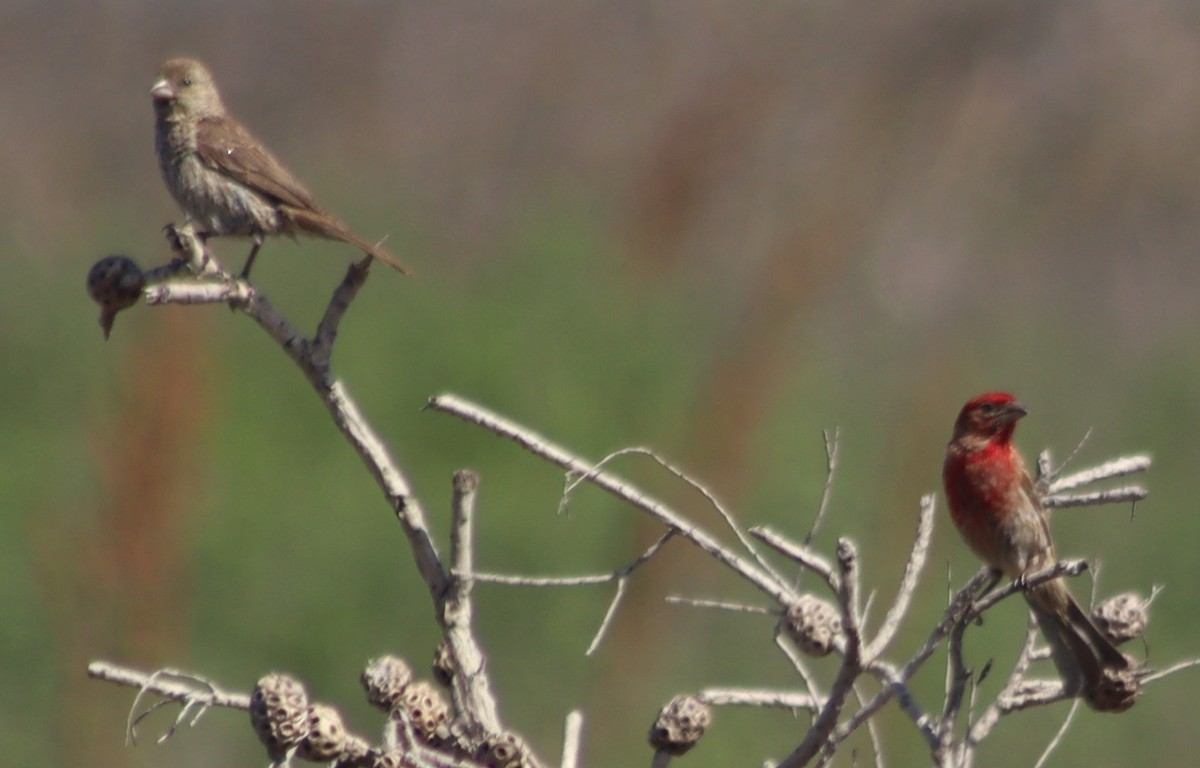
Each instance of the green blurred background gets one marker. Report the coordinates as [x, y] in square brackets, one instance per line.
[710, 228]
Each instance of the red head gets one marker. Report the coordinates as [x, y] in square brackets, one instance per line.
[989, 416]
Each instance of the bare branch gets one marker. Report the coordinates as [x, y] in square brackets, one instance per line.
[959, 676]
[908, 583]
[191, 292]
[1062, 731]
[802, 555]
[170, 684]
[574, 480]
[462, 535]
[957, 679]
[740, 697]
[509, 580]
[1126, 465]
[895, 680]
[1125, 493]
[872, 733]
[720, 605]
[801, 666]
[1031, 693]
[322, 343]
[891, 678]
[357, 431]
[980, 729]
[1047, 471]
[190, 691]
[540, 446]
[470, 684]
[818, 737]
[609, 615]
[832, 444]
[572, 739]
[1167, 671]
[1061, 568]
[620, 575]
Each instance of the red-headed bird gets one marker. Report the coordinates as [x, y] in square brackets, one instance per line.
[996, 509]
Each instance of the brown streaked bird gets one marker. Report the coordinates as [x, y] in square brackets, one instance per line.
[224, 179]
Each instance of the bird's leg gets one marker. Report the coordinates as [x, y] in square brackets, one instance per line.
[993, 580]
[182, 253]
[258, 241]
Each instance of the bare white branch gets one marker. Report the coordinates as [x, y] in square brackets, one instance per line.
[1126, 465]
[1172, 669]
[574, 480]
[609, 615]
[1031, 693]
[801, 554]
[801, 666]
[720, 605]
[627, 492]
[1125, 493]
[191, 292]
[982, 727]
[470, 685]
[908, 582]
[1062, 731]
[832, 445]
[872, 733]
[509, 580]
[818, 738]
[170, 684]
[191, 692]
[743, 697]
[342, 408]
[572, 739]
[620, 576]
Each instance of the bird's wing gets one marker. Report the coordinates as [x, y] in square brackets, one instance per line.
[1030, 490]
[225, 146]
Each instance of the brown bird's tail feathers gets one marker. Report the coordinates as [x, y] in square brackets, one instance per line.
[1088, 662]
[322, 224]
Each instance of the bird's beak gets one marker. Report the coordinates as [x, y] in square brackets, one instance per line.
[162, 91]
[1015, 410]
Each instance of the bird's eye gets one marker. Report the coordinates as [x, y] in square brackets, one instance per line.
[187, 81]
[988, 408]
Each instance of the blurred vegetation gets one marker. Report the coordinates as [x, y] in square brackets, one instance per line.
[714, 229]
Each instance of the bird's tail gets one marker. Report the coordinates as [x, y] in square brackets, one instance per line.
[321, 224]
[1089, 664]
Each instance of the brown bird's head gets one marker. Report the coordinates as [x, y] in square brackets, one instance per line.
[185, 87]
[989, 416]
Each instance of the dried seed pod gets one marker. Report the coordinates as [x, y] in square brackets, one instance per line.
[1122, 617]
[1116, 691]
[813, 625]
[680, 725]
[356, 751]
[279, 713]
[384, 680]
[505, 750]
[326, 737]
[115, 283]
[423, 707]
[394, 758]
